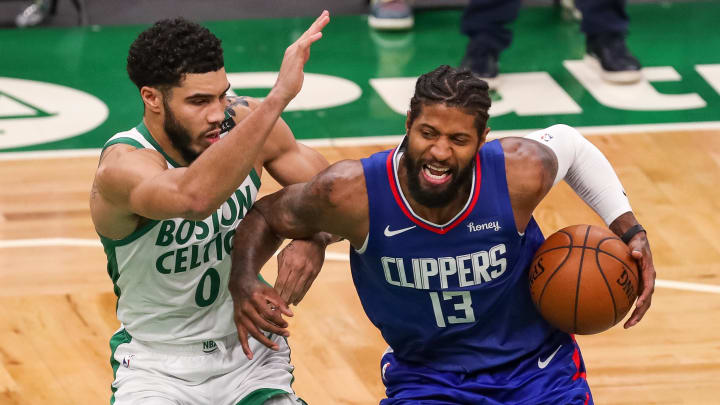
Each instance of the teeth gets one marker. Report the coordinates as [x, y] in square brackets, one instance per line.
[433, 176]
[437, 168]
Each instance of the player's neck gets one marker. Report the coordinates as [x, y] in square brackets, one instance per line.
[157, 131]
[436, 215]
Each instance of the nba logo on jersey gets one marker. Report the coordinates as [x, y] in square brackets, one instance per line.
[126, 360]
[546, 137]
[209, 346]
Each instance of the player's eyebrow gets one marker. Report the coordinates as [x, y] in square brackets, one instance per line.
[436, 130]
[207, 95]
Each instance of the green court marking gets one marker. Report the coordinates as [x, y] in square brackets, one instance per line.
[674, 35]
[38, 112]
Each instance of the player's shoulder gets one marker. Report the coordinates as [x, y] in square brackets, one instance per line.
[530, 166]
[523, 152]
[121, 161]
[341, 183]
[530, 150]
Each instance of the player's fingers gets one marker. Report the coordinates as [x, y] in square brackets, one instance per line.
[267, 323]
[638, 314]
[243, 338]
[298, 283]
[315, 27]
[283, 275]
[266, 318]
[644, 301]
[275, 300]
[272, 314]
[305, 289]
[258, 335]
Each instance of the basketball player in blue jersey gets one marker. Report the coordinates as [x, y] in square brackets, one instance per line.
[166, 199]
[442, 236]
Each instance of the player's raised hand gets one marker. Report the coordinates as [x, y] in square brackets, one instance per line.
[290, 78]
[258, 308]
[640, 251]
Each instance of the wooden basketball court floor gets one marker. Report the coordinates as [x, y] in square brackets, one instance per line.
[57, 309]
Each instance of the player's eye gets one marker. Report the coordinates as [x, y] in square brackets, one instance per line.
[459, 140]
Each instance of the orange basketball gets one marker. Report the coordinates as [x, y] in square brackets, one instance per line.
[583, 279]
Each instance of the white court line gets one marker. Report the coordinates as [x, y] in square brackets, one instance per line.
[395, 139]
[71, 242]
[681, 285]
[333, 256]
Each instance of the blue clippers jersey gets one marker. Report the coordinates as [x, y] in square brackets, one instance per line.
[453, 297]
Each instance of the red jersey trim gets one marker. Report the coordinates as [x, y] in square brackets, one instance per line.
[434, 228]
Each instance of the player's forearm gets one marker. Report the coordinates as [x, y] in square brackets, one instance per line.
[254, 244]
[586, 170]
[219, 170]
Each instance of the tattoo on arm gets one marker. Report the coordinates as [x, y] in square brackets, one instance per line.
[229, 123]
[235, 101]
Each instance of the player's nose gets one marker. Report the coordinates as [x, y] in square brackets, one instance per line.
[440, 149]
[217, 113]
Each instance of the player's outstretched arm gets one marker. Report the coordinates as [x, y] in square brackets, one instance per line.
[566, 155]
[217, 172]
[134, 182]
[335, 202]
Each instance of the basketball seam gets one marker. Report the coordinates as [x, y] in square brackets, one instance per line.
[636, 277]
[542, 293]
[539, 253]
[577, 286]
[607, 284]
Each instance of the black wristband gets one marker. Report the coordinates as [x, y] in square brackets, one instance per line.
[632, 232]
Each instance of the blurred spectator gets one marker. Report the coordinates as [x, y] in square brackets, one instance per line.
[390, 15]
[36, 13]
[604, 22]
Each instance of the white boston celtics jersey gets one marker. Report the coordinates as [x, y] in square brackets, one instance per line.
[171, 276]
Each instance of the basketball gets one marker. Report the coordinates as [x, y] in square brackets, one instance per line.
[583, 279]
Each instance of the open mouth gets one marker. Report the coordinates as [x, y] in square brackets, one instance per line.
[213, 136]
[436, 174]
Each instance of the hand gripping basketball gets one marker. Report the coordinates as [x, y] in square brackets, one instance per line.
[583, 279]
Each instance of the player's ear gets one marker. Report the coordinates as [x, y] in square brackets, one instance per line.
[152, 98]
[483, 137]
[407, 122]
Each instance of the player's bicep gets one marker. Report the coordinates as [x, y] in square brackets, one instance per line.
[331, 202]
[139, 182]
[297, 163]
[289, 161]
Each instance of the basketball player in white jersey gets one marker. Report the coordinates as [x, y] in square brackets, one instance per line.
[167, 197]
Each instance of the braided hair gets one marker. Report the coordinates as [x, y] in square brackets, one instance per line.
[455, 88]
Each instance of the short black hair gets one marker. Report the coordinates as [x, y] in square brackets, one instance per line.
[455, 88]
[162, 54]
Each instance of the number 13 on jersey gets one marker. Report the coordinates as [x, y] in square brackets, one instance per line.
[462, 311]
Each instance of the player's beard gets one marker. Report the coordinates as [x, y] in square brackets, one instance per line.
[180, 137]
[444, 194]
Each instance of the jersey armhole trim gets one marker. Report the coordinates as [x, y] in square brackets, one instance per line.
[363, 248]
[107, 242]
[124, 140]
